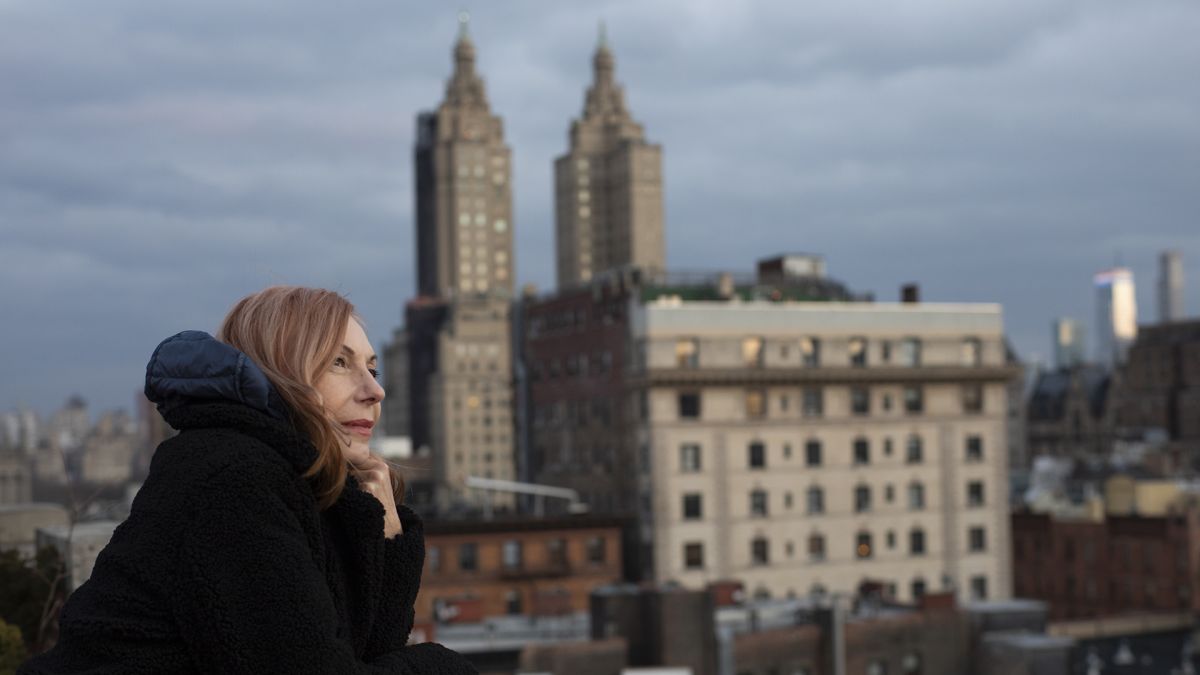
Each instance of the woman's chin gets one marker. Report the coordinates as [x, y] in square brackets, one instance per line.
[357, 453]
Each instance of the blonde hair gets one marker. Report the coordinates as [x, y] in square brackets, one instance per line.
[293, 333]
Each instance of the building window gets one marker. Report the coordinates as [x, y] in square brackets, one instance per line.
[815, 500]
[974, 450]
[752, 352]
[468, 557]
[910, 352]
[889, 493]
[977, 539]
[556, 552]
[813, 402]
[756, 455]
[916, 496]
[891, 539]
[975, 493]
[693, 556]
[810, 352]
[787, 450]
[979, 588]
[689, 405]
[512, 602]
[812, 453]
[816, 547]
[760, 551]
[512, 554]
[858, 352]
[862, 499]
[596, 553]
[860, 401]
[756, 404]
[913, 451]
[916, 542]
[862, 545]
[687, 353]
[689, 458]
[693, 506]
[862, 451]
[787, 500]
[758, 503]
[972, 352]
[918, 588]
[972, 398]
[914, 400]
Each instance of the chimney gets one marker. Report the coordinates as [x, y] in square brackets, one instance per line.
[910, 293]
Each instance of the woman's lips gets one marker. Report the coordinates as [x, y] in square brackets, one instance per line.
[359, 427]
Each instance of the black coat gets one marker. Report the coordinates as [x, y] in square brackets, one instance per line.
[227, 565]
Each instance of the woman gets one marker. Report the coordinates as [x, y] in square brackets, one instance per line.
[266, 538]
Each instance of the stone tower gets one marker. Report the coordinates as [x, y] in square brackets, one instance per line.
[608, 186]
[464, 197]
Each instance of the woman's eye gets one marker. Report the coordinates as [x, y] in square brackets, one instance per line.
[340, 362]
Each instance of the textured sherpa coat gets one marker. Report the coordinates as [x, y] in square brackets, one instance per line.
[227, 565]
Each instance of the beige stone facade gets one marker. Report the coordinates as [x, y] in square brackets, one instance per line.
[608, 187]
[796, 446]
[464, 196]
[470, 401]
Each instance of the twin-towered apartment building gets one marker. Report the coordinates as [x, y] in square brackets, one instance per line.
[778, 430]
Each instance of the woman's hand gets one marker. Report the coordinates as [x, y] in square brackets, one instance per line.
[375, 479]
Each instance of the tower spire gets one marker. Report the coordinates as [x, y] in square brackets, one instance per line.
[465, 87]
[602, 40]
[464, 20]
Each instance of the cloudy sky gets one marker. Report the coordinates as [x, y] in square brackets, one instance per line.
[158, 160]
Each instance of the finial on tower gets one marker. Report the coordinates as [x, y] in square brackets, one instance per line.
[602, 41]
[464, 19]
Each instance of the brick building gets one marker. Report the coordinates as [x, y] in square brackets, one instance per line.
[544, 567]
[1159, 388]
[1089, 568]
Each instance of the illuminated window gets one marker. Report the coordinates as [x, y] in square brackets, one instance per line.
[687, 353]
[862, 545]
[810, 351]
[752, 352]
[858, 352]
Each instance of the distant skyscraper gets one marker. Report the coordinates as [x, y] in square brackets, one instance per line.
[452, 364]
[608, 187]
[1116, 315]
[1068, 343]
[1170, 286]
[464, 198]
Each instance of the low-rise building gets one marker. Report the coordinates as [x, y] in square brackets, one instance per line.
[1086, 568]
[19, 524]
[78, 546]
[522, 567]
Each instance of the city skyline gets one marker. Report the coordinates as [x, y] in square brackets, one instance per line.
[175, 159]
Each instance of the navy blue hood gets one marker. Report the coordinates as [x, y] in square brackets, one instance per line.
[193, 366]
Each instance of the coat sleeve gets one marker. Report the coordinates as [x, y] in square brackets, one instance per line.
[251, 598]
[404, 559]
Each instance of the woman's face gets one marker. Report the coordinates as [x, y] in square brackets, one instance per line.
[350, 392]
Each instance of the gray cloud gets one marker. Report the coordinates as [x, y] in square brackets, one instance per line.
[159, 160]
